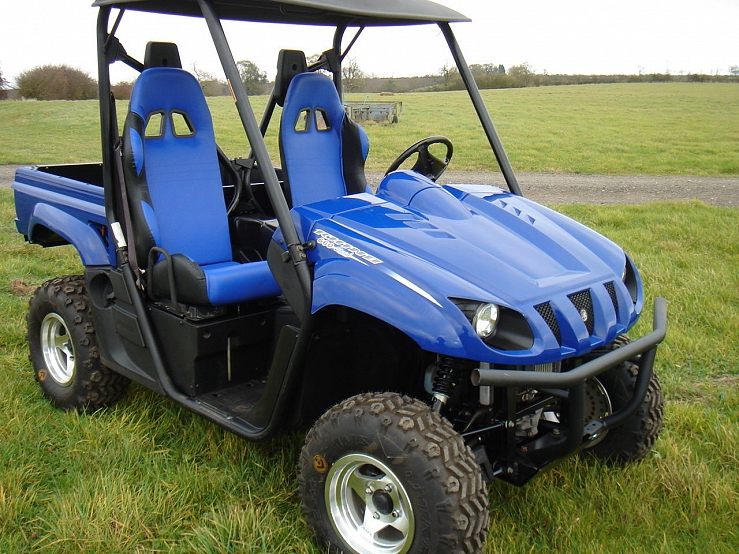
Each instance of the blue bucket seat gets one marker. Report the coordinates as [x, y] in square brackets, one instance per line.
[176, 195]
[323, 151]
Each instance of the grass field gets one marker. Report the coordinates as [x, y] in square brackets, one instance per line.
[147, 476]
[657, 129]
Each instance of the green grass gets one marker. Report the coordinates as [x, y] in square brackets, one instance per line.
[622, 129]
[148, 476]
[656, 129]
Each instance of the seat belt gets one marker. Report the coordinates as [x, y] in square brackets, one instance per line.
[125, 207]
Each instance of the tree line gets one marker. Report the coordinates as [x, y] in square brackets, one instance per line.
[490, 76]
[62, 82]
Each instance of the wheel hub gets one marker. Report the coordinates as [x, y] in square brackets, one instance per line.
[597, 405]
[368, 506]
[383, 502]
[56, 346]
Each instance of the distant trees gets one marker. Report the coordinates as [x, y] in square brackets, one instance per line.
[52, 82]
[491, 76]
[56, 82]
[122, 90]
[352, 76]
[488, 75]
[522, 73]
[450, 76]
[3, 84]
[254, 79]
[483, 69]
[211, 85]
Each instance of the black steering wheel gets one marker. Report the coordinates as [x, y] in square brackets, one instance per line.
[225, 163]
[427, 164]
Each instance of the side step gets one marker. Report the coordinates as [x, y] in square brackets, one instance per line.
[235, 401]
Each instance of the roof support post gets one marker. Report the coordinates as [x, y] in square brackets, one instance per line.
[251, 126]
[104, 105]
[338, 77]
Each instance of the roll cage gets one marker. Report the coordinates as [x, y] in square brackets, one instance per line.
[342, 15]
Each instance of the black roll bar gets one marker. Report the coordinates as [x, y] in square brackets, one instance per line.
[253, 132]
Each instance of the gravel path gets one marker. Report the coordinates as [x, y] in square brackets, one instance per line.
[560, 188]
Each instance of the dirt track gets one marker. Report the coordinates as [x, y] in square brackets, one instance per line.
[559, 188]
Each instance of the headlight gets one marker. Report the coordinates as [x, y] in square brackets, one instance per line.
[485, 320]
[499, 327]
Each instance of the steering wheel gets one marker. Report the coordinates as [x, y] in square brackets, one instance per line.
[427, 164]
[238, 183]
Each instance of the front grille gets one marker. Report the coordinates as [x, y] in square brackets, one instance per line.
[556, 367]
[584, 304]
[546, 312]
[611, 288]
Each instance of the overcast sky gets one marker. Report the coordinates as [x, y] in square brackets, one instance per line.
[565, 36]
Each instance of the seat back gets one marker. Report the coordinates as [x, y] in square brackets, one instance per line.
[171, 169]
[322, 150]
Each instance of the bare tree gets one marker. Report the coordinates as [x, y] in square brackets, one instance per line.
[448, 73]
[352, 76]
[3, 84]
[200, 74]
[211, 85]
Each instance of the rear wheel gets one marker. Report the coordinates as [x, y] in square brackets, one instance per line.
[633, 440]
[63, 348]
[383, 474]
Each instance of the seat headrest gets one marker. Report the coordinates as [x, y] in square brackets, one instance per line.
[162, 54]
[289, 64]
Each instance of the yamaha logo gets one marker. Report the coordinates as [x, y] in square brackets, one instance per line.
[584, 315]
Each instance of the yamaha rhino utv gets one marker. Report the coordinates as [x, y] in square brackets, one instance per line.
[433, 337]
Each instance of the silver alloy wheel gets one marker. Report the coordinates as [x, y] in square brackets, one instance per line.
[368, 506]
[56, 345]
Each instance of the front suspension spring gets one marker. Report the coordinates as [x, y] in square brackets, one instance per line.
[448, 375]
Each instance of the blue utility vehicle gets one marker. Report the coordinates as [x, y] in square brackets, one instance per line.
[433, 337]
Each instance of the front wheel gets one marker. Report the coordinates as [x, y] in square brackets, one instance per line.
[633, 440]
[63, 348]
[383, 474]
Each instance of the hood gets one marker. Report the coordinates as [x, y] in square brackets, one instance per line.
[482, 244]
[507, 247]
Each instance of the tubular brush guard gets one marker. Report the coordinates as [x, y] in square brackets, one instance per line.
[571, 382]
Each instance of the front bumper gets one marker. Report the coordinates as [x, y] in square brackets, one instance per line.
[570, 384]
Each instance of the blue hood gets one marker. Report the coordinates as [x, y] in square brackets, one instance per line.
[475, 243]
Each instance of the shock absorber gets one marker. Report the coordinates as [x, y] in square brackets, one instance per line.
[447, 375]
